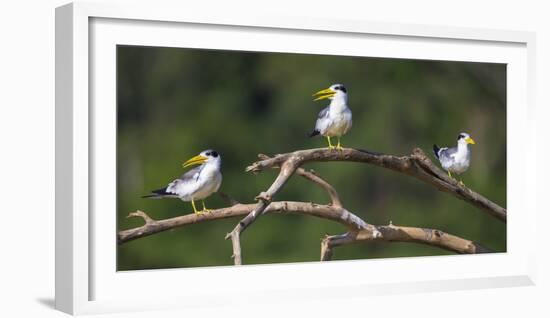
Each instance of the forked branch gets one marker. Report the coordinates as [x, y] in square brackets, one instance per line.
[417, 165]
[393, 233]
[358, 230]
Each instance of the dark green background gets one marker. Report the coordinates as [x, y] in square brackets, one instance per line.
[174, 103]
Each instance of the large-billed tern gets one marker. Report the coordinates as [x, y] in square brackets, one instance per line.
[456, 159]
[197, 183]
[335, 119]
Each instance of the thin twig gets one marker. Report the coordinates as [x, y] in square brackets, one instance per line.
[312, 176]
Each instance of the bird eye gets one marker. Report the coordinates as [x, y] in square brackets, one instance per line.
[214, 154]
[460, 137]
[208, 153]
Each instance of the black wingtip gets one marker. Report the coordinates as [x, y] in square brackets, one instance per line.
[314, 133]
[436, 151]
[161, 191]
[156, 193]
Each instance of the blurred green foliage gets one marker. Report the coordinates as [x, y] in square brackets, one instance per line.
[174, 103]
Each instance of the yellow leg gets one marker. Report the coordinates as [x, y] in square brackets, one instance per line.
[330, 146]
[204, 207]
[339, 146]
[451, 176]
[195, 208]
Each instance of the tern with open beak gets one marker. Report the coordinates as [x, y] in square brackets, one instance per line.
[335, 119]
[197, 183]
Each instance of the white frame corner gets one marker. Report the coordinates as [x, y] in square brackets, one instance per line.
[73, 155]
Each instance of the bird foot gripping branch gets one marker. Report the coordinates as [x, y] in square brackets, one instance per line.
[335, 120]
[197, 183]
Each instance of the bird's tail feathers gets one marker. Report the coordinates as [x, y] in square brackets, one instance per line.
[314, 133]
[158, 194]
[436, 151]
[151, 196]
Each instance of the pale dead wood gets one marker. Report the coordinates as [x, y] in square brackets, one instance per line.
[328, 212]
[312, 176]
[417, 165]
[393, 233]
[264, 199]
[358, 230]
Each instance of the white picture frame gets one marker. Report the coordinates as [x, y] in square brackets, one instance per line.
[86, 281]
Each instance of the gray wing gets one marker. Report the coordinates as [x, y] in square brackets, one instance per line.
[323, 113]
[322, 120]
[192, 174]
[446, 154]
[189, 176]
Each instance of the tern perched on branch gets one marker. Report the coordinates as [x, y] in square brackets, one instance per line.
[457, 159]
[197, 183]
[335, 119]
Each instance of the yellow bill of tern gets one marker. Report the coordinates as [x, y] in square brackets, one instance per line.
[197, 183]
[456, 159]
[335, 119]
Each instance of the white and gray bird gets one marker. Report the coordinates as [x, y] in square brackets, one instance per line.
[335, 119]
[197, 183]
[456, 159]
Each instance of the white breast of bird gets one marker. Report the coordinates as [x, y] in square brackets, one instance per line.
[206, 183]
[340, 123]
[461, 162]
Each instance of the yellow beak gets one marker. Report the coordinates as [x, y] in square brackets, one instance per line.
[470, 141]
[323, 94]
[196, 160]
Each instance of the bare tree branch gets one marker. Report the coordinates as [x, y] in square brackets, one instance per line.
[264, 199]
[417, 165]
[359, 231]
[312, 176]
[392, 233]
[332, 213]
